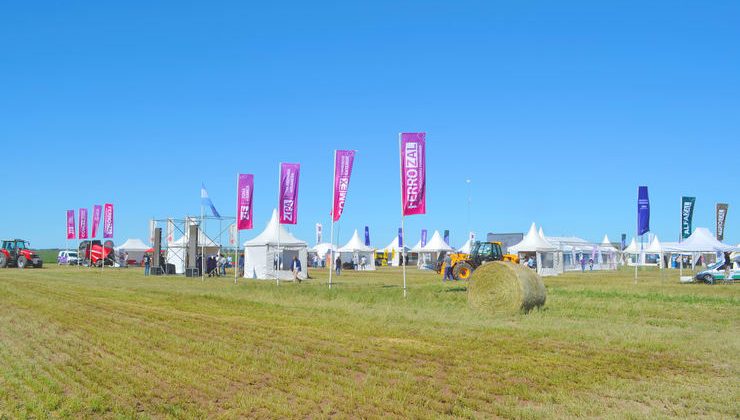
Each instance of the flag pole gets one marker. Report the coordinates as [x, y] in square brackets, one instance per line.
[236, 227]
[403, 231]
[280, 204]
[331, 238]
[202, 228]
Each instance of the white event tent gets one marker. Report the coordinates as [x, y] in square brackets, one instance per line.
[261, 254]
[701, 242]
[394, 252]
[549, 257]
[609, 254]
[355, 249]
[467, 247]
[431, 251]
[322, 251]
[136, 248]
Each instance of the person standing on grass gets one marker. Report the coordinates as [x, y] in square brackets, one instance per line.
[147, 263]
[448, 268]
[583, 264]
[338, 265]
[295, 266]
[241, 265]
[728, 266]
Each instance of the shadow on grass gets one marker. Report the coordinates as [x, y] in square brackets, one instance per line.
[457, 289]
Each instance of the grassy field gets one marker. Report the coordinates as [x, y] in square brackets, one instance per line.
[78, 343]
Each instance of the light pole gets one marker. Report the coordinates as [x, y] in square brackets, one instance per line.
[470, 201]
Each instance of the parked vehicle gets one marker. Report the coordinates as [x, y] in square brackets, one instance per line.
[18, 253]
[716, 272]
[68, 257]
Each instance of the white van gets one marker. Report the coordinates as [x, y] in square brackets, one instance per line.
[68, 257]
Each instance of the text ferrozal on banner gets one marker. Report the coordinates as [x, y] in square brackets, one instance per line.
[108, 221]
[413, 173]
[289, 177]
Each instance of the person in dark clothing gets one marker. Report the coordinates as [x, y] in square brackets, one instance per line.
[338, 265]
[241, 265]
[147, 263]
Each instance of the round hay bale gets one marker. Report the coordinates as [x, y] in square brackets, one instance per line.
[504, 287]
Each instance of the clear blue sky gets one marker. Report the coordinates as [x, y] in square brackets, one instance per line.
[557, 111]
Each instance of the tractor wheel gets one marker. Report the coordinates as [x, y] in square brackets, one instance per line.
[22, 262]
[3, 260]
[462, 271]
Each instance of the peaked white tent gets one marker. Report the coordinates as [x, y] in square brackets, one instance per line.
[655, 248]
[262, 258]
[467, 247]
[633, 249]
[394, 252]
[608, 254]
[429, 253]
[322, 252]
[355, 249]
[136, 248]
[549, 257]
[702, 241]
[177, 250]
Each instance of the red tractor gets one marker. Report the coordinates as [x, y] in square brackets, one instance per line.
[18, 253]
[96, 253]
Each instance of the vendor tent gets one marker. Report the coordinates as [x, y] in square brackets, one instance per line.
[265, 261]
[432, 250]
[467, 247]
[549, 257]
[136, 248]
[395, 252]
[178, 249]
[654, 249]
[608, 253]
[355, 250]
[634, 253]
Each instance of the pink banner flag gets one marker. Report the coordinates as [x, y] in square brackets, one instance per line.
[70, 224]
[343, 161]
[413, 173]
[108, 221]
[83, 224]
[244, 196]
[288, 203]
[97, 212]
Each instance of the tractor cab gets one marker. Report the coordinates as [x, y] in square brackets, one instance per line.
[484, 252]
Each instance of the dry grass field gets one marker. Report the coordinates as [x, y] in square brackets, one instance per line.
[78, 343]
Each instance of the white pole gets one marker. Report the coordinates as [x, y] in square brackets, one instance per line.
[202, 228]
[280, 204]
[331, 239]
[403, 232]
[403, 262]
[236, 234]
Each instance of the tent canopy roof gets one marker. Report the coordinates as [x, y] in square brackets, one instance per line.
[436, 244]
[533, 242]
[393, 246]
[655, 246]
[702, 241]
[356, 244]
[275, 232]
[467, 247]
[134, 245]
[323, 248]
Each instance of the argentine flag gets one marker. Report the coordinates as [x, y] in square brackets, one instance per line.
[205, 201]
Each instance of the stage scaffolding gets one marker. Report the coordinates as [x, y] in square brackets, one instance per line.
[207, 234]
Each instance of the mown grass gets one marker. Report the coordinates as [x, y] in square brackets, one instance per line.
[76, 342]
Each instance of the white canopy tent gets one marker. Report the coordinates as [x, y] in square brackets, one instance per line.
[655, 248]
[355, 250]
[701, 242]
[430, 252]
[608, 254]
[549, 257]
[322, 252]
[467, 247]
[635, 253]
[177, 250]
[136, 248]
[263, 259]
[394, 252]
